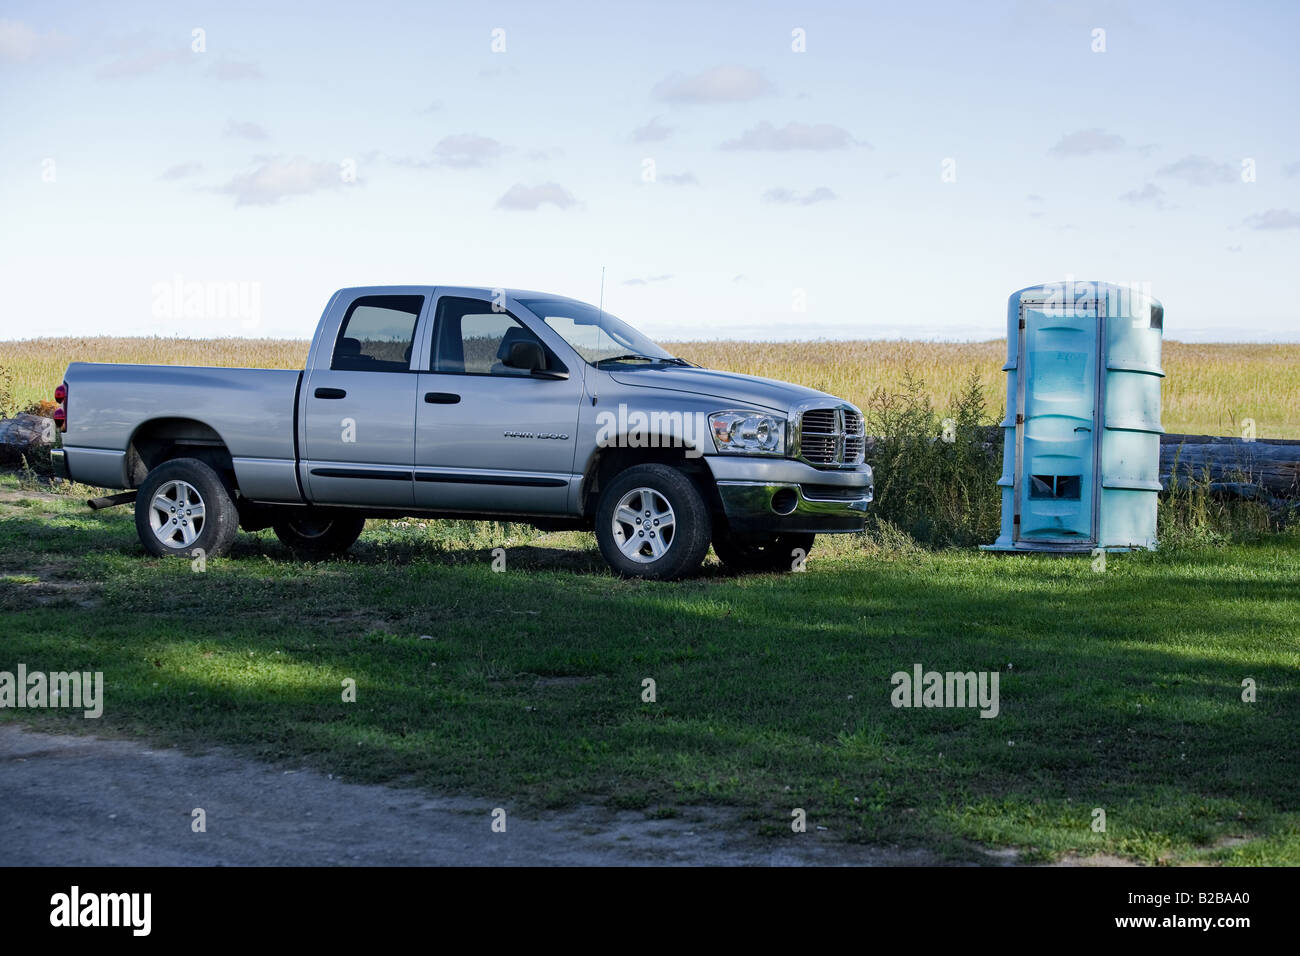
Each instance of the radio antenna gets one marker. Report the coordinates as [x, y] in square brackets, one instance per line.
[600, 311]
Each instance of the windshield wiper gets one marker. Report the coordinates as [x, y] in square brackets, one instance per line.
[631, 357]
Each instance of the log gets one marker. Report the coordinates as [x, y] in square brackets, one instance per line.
[24, 434]
[1273, 464]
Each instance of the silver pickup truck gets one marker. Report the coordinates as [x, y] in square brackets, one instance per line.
[475, 403]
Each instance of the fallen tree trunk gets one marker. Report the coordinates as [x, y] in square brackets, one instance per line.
[1272, 464]
[1232, 464]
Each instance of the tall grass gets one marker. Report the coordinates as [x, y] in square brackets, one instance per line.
[933, 491]
[1210, 389]
[1194, 511]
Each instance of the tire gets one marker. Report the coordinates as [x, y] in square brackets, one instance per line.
[182, 508]
[634, 547]
[316, 533]
[773, 552]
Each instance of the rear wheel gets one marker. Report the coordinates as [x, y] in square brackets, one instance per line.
[772, 552]
[313, 533]
[652, 523]
[183, 508]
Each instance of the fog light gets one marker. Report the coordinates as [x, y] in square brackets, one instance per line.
[785, 501]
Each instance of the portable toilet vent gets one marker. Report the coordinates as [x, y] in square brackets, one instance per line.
[1081, 455]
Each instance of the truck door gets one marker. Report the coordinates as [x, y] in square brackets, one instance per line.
[359, 407]
[489, 437]
[1057, 423]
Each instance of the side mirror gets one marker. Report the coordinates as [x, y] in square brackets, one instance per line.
[529, 357]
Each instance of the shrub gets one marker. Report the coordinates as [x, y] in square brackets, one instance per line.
[936, 476]
[44, 408]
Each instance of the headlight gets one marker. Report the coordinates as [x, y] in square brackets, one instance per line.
[748, 433]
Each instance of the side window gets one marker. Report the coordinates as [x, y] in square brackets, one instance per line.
[472, 339]
[377, 333]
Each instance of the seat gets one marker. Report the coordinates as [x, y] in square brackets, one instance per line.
[347, 354]
[513, 334]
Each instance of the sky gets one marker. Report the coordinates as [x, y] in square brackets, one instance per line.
[741, 170]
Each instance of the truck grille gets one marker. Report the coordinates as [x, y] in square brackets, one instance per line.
[832, 437]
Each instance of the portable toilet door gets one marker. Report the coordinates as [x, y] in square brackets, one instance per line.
[1081, 439]
[1057, 400]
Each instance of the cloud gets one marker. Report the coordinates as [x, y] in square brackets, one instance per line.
[433, 107]
[651, 132]
[1199, 171]
[679, 179]
[466, 151]
[1150, 193]
[1291, 169]
[1087, 141]
[180, 171]
[235, 70]
[276, 179]
[1274, 219]
[529, 198]
[780, 194]
[463, 151]
[722, 84]
[19, 43]
[817, 136]
[140, 63]
[1034, 197]
[245, 131]
[648, 280]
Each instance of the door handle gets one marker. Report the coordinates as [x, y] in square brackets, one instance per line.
[441, 398]
[330, 393]
[1083, 428]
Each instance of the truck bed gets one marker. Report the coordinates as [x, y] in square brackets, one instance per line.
[250, 409]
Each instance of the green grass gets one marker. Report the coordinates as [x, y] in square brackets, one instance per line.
[1119, 690]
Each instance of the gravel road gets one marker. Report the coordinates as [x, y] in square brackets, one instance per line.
[83, 801]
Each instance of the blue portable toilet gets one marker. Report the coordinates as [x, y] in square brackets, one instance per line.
[1081, 439]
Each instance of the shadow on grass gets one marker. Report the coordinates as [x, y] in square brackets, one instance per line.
[1120, 690]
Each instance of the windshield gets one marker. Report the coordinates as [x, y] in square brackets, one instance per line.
[595, 335]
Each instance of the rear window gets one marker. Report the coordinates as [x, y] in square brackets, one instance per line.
[377, 334]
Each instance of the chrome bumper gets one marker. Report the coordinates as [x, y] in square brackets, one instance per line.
[811, 505]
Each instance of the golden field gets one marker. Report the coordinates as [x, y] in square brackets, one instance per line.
[1210, 389]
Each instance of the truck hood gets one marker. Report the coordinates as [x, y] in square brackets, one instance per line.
[730, 388]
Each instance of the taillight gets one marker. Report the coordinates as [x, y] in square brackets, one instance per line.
[60, 413]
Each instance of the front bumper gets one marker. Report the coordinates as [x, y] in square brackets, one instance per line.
[780, 495]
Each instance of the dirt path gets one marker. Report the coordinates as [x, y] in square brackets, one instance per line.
[82, 801]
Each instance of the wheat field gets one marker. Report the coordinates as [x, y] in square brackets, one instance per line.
[1209, 389]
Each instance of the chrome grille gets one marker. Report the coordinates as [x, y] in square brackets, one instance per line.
[855, 438]
[831, 437]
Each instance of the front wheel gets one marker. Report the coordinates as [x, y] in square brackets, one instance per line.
[312, 533]
[773, 552]
[652, 523]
